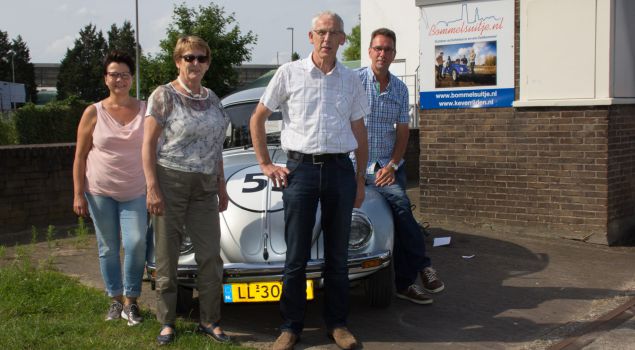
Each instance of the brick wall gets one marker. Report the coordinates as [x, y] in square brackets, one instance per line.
[621, 174]
[556, 171]
[412, 156]
[36, 186]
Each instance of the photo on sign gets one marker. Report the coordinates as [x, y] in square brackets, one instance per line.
[465, 65]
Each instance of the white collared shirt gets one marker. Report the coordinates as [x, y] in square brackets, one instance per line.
[317, 109]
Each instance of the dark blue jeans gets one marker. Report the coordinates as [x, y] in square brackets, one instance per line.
[409, 256]
[331, 185]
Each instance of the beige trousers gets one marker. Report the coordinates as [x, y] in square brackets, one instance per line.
[191, 202]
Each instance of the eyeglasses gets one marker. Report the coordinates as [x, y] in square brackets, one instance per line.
[191, 58]
[117, 75]
[386, 50]
[322, 33]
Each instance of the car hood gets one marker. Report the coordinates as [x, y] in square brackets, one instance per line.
[252, 227]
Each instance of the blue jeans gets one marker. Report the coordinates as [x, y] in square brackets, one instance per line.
[409, 256]
[110, 217]
[332, 185]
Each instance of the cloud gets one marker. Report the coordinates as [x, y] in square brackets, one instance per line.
[62, 8]
[58, 47]
[85, 11]
[464, 51]
[161, 24]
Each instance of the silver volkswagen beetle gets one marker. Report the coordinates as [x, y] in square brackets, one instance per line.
[252, 228]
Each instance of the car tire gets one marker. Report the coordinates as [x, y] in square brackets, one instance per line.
[184, 298]
[379, 287]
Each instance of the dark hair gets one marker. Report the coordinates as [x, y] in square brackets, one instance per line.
[119, 57]
[385, 32]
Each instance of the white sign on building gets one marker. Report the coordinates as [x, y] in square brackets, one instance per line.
[11, 93]
[467, 54]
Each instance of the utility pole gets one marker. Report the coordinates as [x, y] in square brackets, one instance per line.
[137, 46]
[291, 29]
[13, 79]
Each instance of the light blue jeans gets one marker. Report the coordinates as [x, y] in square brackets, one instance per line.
[131, 219]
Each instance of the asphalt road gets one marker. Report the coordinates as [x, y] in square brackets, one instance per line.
[517, 292]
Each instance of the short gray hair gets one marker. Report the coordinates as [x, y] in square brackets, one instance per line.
[329, 14]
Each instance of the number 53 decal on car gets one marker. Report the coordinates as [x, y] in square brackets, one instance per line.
[244, 188]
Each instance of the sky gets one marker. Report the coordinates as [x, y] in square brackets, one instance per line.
[50, 27]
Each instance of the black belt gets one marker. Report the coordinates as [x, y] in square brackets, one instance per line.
[314, 158]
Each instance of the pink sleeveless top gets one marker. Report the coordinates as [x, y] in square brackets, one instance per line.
[113, 166]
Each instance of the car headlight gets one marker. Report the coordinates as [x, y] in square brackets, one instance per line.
[361, 231]
[186, 245]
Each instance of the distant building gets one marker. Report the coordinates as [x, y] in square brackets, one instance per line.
[46, 73]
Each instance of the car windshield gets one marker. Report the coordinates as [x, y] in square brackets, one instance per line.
[238, 131]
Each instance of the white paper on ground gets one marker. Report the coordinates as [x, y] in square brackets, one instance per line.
[468, 256]
[439, 241]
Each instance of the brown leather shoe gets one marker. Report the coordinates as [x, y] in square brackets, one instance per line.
[430, 281]
[343, 338]
[285, 341]
[415, 294]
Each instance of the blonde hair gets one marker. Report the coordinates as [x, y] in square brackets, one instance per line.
[190, 42]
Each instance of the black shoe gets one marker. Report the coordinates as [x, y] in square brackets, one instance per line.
[209, 331]
[167, 338]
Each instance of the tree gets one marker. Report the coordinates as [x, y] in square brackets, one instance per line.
[295, 56]
[23, 68]
[122, 39]
[81, 71]
[353, 50]
[229, 47]
[5, 57]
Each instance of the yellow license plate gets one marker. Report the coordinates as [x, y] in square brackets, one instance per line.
[258, 292]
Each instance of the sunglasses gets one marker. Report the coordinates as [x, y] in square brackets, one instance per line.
[191, 58]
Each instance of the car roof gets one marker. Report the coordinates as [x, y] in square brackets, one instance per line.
[249, 95]
[254, 90]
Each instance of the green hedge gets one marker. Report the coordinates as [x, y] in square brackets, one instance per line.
[8, 134]
[54, 122]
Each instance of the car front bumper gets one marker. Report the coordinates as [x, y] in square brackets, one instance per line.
[359, 266]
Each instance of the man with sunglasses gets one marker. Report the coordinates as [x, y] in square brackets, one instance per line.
[385, 171]
[322, 104]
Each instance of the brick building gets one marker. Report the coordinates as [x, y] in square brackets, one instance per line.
[559, 159]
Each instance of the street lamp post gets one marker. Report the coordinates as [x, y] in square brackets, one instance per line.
[13, 80]
[12, 67]
[291, 29]
[136, 6]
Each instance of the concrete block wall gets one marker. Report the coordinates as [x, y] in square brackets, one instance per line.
[36, 186]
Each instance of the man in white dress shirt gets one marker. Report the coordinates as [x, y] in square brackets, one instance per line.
[323, 104]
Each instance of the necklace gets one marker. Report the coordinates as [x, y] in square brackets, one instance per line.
[188, 89]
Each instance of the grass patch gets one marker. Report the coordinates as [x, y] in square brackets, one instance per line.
[81, 232]
[50, 235]
[44, 309]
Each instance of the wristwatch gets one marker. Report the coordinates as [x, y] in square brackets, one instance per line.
[394, 166]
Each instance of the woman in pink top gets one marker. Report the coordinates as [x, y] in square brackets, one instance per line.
[110, 186]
